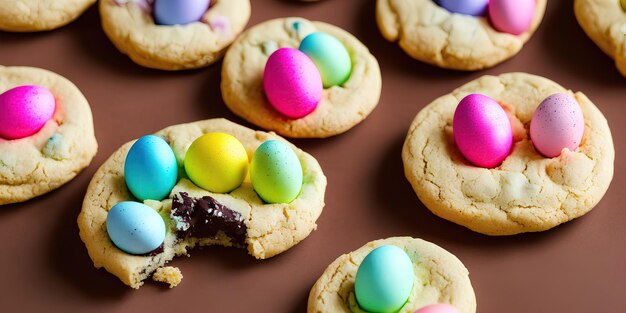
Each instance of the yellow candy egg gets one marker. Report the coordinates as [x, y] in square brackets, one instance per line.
[216, 162]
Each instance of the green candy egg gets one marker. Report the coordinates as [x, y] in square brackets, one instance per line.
[330, 57]
[384, 280]
[276, 172]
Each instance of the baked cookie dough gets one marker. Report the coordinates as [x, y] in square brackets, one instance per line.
[40, 15]
[341, 107]
[604, 22]
[130, 26]
[431, 34]
[439, 278]
[37, 164]
[527, 192]
[270, 229]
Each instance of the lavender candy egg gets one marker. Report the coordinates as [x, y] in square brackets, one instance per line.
[173, 12]
[482, 131]
[558, 123]
[467, 7]
[292, 82]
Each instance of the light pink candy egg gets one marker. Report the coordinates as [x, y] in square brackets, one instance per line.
[482, 131]
[557, 123]
[511, 16]
[438, 308]
[292, 83]
[24, 110]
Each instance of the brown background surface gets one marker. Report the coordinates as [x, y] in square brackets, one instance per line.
[576, 267]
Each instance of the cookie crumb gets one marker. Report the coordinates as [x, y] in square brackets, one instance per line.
[169, 274]
[56, 148]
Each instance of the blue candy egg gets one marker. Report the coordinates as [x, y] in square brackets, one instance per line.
[173, 12]
[330, 57]
[135, 227]
[467, 7]
[384, 280]
[150, 169]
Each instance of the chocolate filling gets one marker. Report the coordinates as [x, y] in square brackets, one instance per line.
[204, 217]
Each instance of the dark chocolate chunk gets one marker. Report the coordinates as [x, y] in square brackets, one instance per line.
[204, 217]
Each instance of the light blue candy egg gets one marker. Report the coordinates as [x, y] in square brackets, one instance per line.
[276, 172]
[150, 169]
[330, 56]
[172, 12]
[384, 280]
[135, 227]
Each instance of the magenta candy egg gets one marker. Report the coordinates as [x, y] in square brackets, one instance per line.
[558, 123]
[24, 110]
[292, 83]
[511, 16]
[438, 308]
[482, 131]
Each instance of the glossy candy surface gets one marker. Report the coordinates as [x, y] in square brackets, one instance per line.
[276, 172]
[173, 12]
[482, 130]
[135, 227]
[511, 16]
[24, 110]
[468, 7]
[150, 169]
[558, 123]
[330, 57]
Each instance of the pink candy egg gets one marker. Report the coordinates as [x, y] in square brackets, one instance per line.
[557, 123]
[482, 131]
[24, 110]
[292, 83]
[511, 16]
[438, 308]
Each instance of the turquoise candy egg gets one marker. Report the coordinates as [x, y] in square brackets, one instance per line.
[330, 57]
[384, 280]
[135, 227]
[276, 172]
[150, 169]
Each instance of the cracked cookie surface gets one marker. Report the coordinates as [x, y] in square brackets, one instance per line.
[271, 228]
[131, 28]
[527, 192]
[605, 23]
[431, 34]
[40, 15]
[66, 144]
[341, 107]
[440, 277]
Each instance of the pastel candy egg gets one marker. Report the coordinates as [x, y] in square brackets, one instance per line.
[292, 83]
[467, 7]
[24, 110]
[558, 123]
[513, 17]
[438, 308]
[330, 56]
[482, 131]
[276, 172]
[150, 169]
[384, 280]
[135, 227]
[173, 12]
[216, 162]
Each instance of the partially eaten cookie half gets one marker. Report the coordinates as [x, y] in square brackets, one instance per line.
[244, 214]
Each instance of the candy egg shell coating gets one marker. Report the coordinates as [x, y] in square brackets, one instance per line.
[292, 83]
[468, 7]
[438, 308]
[513, 17]
[482, 131]
[216, 162]
[150, 169]
[276, 172]
[25, 110]
[384, 280]
[330, 57]
[135, 227]
[558, 123]
[173, 12]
